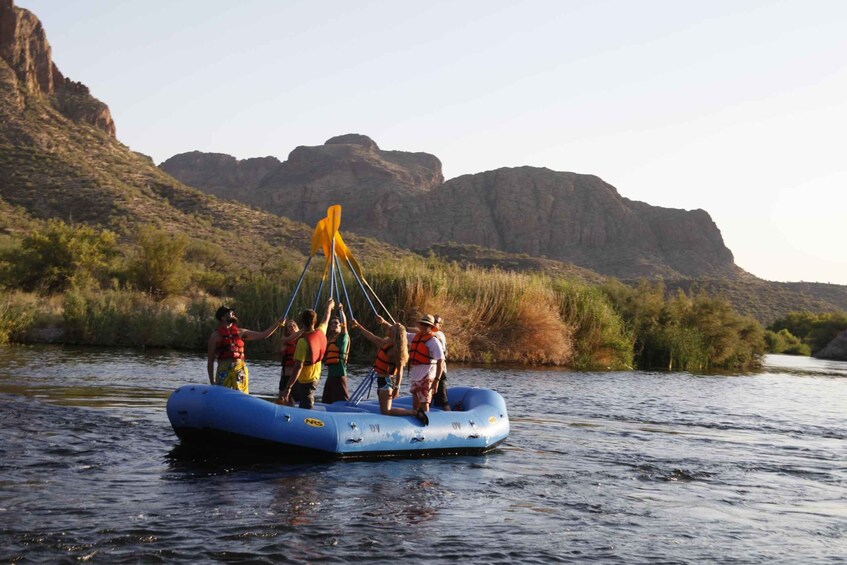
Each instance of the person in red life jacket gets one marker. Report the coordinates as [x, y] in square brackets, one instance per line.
[335, 359]
[290, 334]
[226, 345]
[391, 358]
[308, 353]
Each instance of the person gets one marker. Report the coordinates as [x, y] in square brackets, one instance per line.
[335, 359]
[291, 333]
[391, 358]
[439, 398]
[426, 363]
[226, 345]
[310, 349]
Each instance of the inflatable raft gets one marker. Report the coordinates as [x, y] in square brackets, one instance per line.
[219, 417]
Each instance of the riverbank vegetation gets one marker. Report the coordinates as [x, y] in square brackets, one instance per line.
[804, 333]
[75, 285]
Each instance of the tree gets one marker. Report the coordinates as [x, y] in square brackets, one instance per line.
[159, 265]
[60, 256]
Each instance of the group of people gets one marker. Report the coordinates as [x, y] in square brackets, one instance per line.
[309, 345]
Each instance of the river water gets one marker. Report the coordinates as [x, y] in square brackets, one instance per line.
[624, 467]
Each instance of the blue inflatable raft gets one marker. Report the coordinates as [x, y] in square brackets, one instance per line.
[219, 417]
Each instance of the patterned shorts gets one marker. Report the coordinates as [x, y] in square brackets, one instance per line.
[422, 391]
[233, 374]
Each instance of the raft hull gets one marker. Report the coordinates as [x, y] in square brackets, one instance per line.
[214, 417]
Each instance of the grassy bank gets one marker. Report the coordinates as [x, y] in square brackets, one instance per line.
[490, 317]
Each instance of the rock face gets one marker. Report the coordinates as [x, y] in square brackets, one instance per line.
[836, 349]
[401, 198]
[24, 50]
[350, 170]
[221, 175]
[569, 217]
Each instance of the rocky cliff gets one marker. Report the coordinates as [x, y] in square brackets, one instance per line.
[221, 175]
[569, 217]
[25, 55]
[401, 198]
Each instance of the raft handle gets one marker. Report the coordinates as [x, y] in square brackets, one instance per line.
[354, 440]
[473, 436]
[418, 438]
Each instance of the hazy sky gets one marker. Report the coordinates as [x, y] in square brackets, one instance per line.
[736, 107]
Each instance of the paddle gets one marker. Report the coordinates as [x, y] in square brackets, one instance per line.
[333, 216]
[344, 253]
[313, 249]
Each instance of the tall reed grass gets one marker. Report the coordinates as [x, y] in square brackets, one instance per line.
[490, 316]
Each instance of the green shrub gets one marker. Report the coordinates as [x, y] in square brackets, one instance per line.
[18, 312]
[158, 267]
[60, 257]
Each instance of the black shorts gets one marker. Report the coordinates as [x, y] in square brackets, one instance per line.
[439, 399]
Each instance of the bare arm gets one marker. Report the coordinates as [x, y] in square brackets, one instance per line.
[439, 370]
[211, 351]
[396, 392]
[342, 318]
[380, 341]
[293, 337]
[250, 335]
[297, 368]
[329, 305]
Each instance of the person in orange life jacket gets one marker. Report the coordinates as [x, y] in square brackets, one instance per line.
[290, 334]
[439, 397]
[392, 356]
[310, 349]
[426, 363]
[226, 345]
[335, 359]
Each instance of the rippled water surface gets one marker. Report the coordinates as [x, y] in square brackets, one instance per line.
[630, 467]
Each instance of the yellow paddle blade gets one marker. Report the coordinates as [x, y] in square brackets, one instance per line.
[317, 237]
[333, 217]
[344, 254]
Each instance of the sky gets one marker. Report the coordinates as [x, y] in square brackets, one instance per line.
[736, 107]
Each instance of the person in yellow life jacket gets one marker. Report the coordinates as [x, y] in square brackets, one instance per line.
[310, 349]
[335, 359]
[290, 334]
[226, 345]
[391, 358]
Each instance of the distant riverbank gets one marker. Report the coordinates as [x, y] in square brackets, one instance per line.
[490, 317]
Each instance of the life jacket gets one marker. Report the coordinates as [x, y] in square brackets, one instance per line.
[418, 351]
[231, 346]
[288, 353]
[317, 346]
[384, 365]
[333, 352]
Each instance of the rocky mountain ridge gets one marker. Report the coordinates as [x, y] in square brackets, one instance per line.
[26, 52]
[401, 198]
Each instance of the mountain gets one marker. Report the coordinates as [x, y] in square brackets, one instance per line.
[401, 198]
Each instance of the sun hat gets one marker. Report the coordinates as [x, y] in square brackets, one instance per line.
[428, 320]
